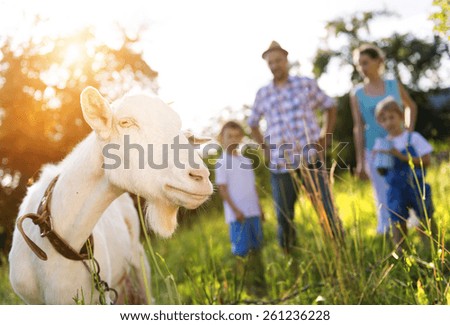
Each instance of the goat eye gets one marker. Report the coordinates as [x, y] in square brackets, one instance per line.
[126, 123]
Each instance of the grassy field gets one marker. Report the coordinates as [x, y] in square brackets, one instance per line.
[196, 265]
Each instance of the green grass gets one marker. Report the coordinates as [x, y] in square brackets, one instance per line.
[7, 295]
[197, 267]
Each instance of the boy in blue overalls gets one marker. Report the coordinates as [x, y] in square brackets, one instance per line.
[407, 188]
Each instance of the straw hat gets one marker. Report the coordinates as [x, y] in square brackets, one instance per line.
[274, 46]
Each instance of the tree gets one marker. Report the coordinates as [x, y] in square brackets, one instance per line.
[40, 83]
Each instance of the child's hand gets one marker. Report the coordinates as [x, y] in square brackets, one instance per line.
[239, 215]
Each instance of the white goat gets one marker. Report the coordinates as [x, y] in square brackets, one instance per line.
[89, 198]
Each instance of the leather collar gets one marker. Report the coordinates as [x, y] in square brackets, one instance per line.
[43, 219]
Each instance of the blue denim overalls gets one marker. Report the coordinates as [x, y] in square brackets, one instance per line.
[405, 192]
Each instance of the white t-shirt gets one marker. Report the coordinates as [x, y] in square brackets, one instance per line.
[236, 172]
[418, 142]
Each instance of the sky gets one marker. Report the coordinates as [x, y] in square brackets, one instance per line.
[208, 53]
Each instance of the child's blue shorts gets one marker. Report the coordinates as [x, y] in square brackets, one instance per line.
[246, 236]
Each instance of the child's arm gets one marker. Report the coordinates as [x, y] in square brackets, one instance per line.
[426, 159]
[225, 195]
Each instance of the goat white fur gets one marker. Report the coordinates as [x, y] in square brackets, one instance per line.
[89, 199]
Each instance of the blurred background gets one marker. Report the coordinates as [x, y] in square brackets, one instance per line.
[205, 57]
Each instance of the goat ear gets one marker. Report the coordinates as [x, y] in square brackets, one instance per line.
[195, 139]
[96, 112]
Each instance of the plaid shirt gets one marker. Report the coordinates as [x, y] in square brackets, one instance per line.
[289, 112]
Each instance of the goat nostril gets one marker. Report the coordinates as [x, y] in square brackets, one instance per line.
[195, 177]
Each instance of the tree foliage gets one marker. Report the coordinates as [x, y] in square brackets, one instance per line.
[408, 58]
[41, 79]
[441, 18]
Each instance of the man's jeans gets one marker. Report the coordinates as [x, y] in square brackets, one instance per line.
[285, 189]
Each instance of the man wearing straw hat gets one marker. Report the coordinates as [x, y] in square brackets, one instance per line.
[293, 142]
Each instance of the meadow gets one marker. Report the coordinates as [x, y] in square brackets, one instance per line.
[196, 266]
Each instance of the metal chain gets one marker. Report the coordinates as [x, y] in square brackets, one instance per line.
[100, 285]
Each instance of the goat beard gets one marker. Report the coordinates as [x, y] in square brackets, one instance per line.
[161, 217]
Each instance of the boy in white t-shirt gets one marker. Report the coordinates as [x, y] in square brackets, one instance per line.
[235, 180]
[406, 186]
